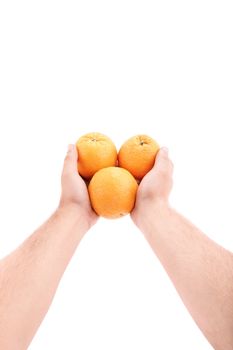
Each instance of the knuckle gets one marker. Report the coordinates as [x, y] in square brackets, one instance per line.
[163, 170]
[67, 157]
[165, 174]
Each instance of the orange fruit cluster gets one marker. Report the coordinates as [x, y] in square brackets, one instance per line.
[114, 177]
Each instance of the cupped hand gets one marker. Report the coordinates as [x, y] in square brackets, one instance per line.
[155, 187]
[74, 190]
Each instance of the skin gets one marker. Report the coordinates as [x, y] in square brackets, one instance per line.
[30, 275]
[201, 270]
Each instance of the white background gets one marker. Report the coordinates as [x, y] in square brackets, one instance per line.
[118, 67]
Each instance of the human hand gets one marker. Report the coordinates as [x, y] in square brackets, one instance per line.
[154, 189]
[74, 190]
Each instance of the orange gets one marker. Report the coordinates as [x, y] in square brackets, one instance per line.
[137, 155]
[112, 192]
[95, 151]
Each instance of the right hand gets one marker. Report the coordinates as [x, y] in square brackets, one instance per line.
[154, 188]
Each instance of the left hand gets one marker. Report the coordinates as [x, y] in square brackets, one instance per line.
[74, 190]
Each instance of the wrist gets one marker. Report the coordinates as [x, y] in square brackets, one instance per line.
[75, 213]
[151, 214]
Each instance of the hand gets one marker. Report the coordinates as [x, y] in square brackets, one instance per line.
[74, 190]
[155, 187]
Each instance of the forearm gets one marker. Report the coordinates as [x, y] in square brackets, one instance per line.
[201, 271]
[30, 275]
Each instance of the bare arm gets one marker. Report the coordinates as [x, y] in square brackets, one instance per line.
[30, 275]
[200, 269]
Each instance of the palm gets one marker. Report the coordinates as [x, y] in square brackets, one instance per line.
[74, 189]
[79, 194]
[155, 186]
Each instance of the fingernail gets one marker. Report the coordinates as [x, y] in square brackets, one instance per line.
[165, 150]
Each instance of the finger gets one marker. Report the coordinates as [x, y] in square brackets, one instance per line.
[162, 154]
[70, 162]
[162, 161]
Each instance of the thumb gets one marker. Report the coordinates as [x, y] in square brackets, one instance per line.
[162, 161]
[162, 154]
[70, 162]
